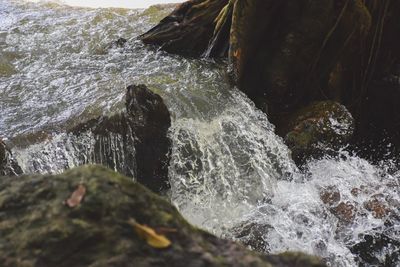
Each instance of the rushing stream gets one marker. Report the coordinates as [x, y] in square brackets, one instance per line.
[229, 172]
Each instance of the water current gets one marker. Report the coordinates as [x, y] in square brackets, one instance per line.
[230, 174]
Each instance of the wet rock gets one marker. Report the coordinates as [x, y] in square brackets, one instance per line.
[281, 52]
[8, 165]
[377, 250]
[39, 229]
[135, 142]
[188, 29]
[345, 212]
[317, 129]
[120, 43]
[252, 235]
[330, 196]
[377, 206]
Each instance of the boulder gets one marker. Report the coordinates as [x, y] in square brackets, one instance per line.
[92, 216]
[134, 142]
[280, 52]
[8, 165]
[188, 29]
[318, 129]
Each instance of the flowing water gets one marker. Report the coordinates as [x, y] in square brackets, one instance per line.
[229, 172]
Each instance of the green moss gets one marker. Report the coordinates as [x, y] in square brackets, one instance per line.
[38, 229]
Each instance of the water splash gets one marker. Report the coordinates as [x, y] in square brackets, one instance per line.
[230, 173]
[227, 164]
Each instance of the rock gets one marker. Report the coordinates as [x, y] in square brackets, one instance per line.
[377, 250]
[330, 196]
[317, 129]
[8, 165]
[345, 212]
[38, 229]
[287, 54]
[119, 43]
[135, 142]
[188, 29]
[253, 235]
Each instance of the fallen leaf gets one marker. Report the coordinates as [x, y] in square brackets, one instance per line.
[76, 197]
[152, 238]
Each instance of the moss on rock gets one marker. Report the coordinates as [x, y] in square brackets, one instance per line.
[38, 229]
[318, 128]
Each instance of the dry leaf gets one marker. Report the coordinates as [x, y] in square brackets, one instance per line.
[152, 238]
[76, 197]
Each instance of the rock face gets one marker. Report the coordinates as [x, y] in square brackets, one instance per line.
[8, 166]
[135, 142]
[286, 55]
[188, 29]
[317, 129]
[38, 228]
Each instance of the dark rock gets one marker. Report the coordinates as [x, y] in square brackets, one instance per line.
[135, 142]
[120, 43]
[253, 235]
[377, 250]
[188, 29]
[38, 229]
[8, 165]
[317, 129]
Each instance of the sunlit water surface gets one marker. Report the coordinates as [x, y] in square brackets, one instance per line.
[229, 172]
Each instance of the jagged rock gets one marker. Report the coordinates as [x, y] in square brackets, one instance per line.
[8, 165]
[287, 54]
[188, 29]
[281, 52]
[370, 250]
[135, 142]
[38, 229]
[317, 129]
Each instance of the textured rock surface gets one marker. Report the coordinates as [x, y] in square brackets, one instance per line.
[134, 142]
[315, 130]
[287, 54]
[8, 165]
[188, 29]
[38, 229]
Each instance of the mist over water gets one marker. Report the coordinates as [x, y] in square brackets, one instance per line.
[229, 172]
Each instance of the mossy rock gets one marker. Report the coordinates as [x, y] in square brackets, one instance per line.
[318, 129]
[38, 229]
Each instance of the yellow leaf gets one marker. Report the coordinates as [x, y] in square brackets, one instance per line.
[152, 238]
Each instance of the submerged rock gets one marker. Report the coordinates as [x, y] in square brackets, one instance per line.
[8, 165]
[94, 227]
[317, 129]
[135, 142]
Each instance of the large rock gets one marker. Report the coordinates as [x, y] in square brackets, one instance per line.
[281, 52]
[318, 129]
[135, 142]
[188, 29]
[38, 228]
[8, 165]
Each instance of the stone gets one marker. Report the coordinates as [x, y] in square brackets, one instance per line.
[8, 165]
[317, 129]
[136, 141]
[39, 230]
